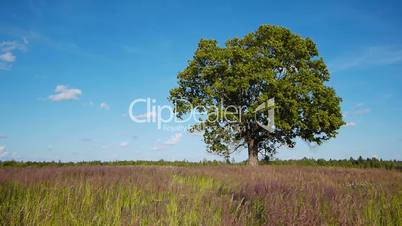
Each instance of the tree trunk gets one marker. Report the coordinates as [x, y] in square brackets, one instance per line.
[252, 153]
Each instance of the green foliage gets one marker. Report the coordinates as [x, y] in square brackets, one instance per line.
[271, 62]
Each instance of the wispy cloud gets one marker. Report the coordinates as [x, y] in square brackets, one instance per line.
[359, 109]
[375, 55]
[7, 48]
[87, 140]
[3, 151]
[104, 106]
[2, 136]
[173, 140]
[63, 93]
[158, 147]
[131, 49]
[88, 104]
[43, 39]
[124, 144]
[4, 66]
[350, 124]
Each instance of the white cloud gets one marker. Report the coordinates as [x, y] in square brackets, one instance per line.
[350, 124]
[370, 56]
[173, 140]
[104, 106]
[7, 57]
[123, 144]
[63, 93]
[7, 46]
[3, 151]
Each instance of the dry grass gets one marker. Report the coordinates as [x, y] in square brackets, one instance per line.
[211, 195]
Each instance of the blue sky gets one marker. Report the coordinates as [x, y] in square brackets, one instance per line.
[69, 70]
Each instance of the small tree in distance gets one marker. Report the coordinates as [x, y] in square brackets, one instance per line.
[269, 64]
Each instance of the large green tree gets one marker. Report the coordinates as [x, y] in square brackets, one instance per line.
[271, 63]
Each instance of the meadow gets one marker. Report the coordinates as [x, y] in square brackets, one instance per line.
[199, 195]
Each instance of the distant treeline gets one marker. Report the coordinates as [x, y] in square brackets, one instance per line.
[162, 162]
[349, 163]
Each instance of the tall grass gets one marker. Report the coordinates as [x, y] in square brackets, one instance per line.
[209, 195]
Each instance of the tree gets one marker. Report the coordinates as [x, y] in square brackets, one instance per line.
[269, 64]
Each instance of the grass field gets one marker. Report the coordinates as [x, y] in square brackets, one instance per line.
[201, 195]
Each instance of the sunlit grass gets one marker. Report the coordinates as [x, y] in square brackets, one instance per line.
[221, 195]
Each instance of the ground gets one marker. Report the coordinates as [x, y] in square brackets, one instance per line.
[199, 195]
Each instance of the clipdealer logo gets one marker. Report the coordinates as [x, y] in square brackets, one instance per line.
[163, 114]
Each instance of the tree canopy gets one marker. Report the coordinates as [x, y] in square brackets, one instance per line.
[271, 63]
